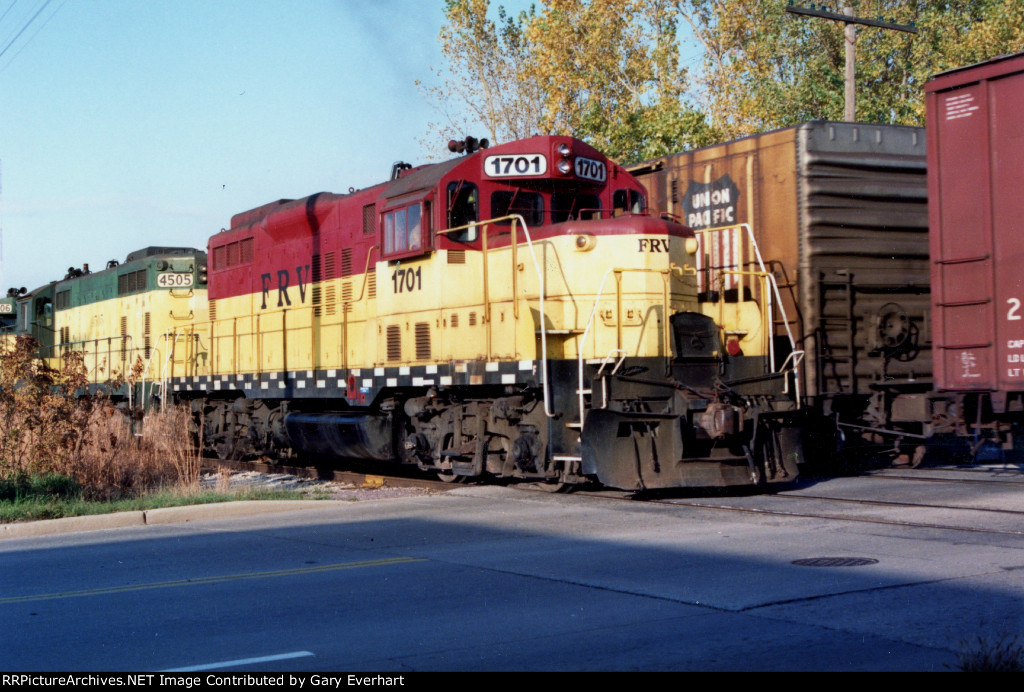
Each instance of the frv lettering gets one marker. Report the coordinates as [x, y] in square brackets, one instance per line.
[283, 284]
[653, 244]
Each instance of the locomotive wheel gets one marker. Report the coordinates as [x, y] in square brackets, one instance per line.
[449, 477]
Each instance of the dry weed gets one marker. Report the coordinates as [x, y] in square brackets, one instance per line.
[51, 425]
[1001, 654]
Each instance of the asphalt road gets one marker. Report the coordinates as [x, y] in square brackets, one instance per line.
[493, 579]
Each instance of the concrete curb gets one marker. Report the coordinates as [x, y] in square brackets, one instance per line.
[162, 516]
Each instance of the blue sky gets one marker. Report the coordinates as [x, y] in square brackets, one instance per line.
[127, 123]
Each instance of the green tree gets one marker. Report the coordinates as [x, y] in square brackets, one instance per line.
[765, 68]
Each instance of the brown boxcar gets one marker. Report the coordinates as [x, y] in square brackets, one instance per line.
[976, 166]
[839, 212]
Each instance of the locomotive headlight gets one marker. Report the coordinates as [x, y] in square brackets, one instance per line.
[563, 150]
[584, 242]
[691, 246]
[564, 167]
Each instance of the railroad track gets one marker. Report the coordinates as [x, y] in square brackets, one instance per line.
[956, 476]
[356, 478]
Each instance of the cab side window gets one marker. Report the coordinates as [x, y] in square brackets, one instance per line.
[463, 208]
[403, 230]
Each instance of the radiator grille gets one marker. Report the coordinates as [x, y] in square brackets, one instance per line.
[394, 342]
[346, 296]
[369, 219]
[331, 300]
[422, 341]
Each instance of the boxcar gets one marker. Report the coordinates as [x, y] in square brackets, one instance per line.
[839, 212]
[976, 166]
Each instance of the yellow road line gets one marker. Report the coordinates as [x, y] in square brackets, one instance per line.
[208, 580]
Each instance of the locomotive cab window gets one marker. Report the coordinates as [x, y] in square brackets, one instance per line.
[529, 205]
[571, 206]
[627, 202]
[406, 230]
[463, 208]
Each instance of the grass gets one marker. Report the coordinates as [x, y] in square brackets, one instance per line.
[1000, 654]
[46, 498]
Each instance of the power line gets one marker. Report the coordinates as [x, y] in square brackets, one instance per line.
[22, 30]
[29, 40]
[850, 21]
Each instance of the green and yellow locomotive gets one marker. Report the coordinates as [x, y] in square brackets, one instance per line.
[514, 312]
[128, 321]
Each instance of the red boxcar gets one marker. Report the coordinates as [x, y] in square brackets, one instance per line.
[976, 215]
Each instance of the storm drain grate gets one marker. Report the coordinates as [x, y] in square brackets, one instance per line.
[835, 561]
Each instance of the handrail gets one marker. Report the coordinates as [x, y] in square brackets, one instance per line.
[366, 271]
[57, 350]
[167, 359]
[604, 382]
[666, 275]
[515, 218]
[772, 282]
[765, 309]
[127, 352]
[760, 263]
[796, 357]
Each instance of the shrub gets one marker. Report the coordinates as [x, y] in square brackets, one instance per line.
[51, 424]
[44, 486]
[1002, 654]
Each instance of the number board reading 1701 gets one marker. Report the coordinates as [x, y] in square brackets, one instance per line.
[523, 165]
[515, 165]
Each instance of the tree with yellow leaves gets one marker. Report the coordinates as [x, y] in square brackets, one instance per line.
[765, 68]
[603, 70]
[608, 71]
[482, 83]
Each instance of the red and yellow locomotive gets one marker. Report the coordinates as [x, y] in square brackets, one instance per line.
[513, 312]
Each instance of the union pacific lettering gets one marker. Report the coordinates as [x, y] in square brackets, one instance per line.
[284, 282]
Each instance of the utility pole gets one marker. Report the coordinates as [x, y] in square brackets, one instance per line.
[851, 41]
